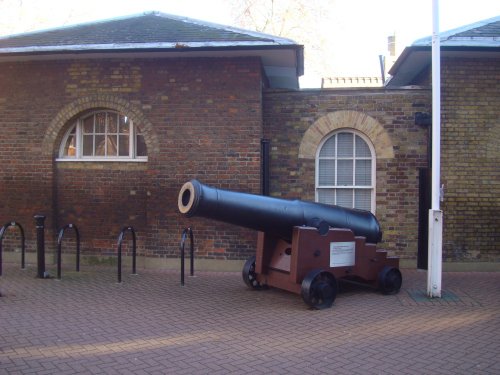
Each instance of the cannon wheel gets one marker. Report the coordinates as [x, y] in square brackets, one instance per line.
[249, 275]
[390, 280]
[319, 289]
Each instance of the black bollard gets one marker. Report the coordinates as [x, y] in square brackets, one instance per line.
[40, 246]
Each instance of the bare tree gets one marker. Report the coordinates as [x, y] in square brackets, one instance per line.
[308, 22]
[17, 16]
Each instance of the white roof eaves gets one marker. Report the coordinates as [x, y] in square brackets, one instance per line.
[181, 46]
[472, 42]
[461, 42]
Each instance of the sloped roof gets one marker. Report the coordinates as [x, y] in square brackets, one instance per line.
[153, 34]
[478, 39]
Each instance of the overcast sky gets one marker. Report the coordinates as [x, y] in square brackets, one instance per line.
[358, 30]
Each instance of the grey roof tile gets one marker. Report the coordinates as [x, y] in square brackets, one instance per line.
[484, 33]
[148, 29]
[489, 30]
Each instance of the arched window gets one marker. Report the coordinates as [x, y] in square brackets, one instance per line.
[103, 135]
[345, 171]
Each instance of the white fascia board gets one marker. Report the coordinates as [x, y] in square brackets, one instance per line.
[472, 42]
[463, 42]
[269, 56]
[134, 46]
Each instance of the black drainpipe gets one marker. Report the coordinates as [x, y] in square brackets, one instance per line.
[264, 166]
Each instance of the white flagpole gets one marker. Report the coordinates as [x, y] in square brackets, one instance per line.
[434, 272]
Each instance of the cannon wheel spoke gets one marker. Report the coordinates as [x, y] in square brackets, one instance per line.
[249, 275]
[319, 289]
[390, 280]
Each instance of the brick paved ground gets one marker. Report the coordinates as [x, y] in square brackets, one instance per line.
[149, 324]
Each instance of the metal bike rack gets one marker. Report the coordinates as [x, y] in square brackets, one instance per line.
[59, 245]
[185, 233]
[23, 250]
[120, 240]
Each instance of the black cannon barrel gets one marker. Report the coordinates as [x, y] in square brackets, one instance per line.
[272, 215]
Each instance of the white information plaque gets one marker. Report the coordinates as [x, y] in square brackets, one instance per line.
[342, 254]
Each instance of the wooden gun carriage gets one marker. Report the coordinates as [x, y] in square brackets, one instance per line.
[302, 247]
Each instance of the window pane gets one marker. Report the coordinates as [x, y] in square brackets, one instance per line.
[141, 149]
[111, 149]
[124, 145]
[124, 124]
[100, 145]
[345, 145]
[88, 145]
[112, 123]
[363, 199]
[363, 173]
[326, 196]
[104, 134]
[328, 148]
[344, 197]
[362, 149]
[70, 147]
[345, 161]
[88, 125]
[326, 172]
[100, 122]
[344, 174]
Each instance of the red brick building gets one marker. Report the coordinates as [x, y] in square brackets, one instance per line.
[101, 124]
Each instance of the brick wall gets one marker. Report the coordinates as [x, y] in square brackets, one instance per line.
[202, 118]
[296, 122]
[471, 159]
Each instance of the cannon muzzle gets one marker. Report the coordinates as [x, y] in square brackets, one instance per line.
[273, 215]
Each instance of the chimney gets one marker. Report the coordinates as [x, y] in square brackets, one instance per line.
[391, 45]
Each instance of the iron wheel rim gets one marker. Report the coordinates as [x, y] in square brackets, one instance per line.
[390, 280]
[319, 289]
[249, 275]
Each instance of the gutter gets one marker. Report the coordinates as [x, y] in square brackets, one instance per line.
[149, 47]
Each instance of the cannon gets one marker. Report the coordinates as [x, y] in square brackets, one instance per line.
[302, 247]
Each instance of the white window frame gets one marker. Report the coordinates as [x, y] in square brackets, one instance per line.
[79, 157]
[336, 187]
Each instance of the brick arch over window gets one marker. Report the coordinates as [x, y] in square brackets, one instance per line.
[346, 120]
[80, 105]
